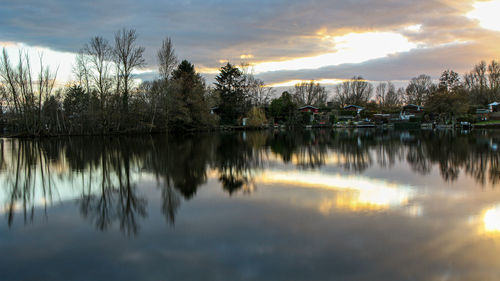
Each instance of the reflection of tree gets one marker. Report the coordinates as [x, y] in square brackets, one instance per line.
[450, 151]
[494, 171]
[28, 173]
[235, 161]
[170, 203]
[116, 198]
[388, 151]
[307, 149]
[180, 166]
[313, 149]
[454, 152]
[353, 147]
[284, 145]
[106, 167]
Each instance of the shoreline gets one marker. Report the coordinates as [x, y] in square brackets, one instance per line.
[246, 128]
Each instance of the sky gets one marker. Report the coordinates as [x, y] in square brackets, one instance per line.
[283, 41]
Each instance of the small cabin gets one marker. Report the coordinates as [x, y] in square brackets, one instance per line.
[381, 118]
[494, 106]
[309, 108]
[214, 110]
[411, 110]
[482, 114]
[353, 107]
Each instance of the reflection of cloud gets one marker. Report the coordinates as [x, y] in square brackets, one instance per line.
[58, 189]
[354, 193]
[8, 44]
[491, 220]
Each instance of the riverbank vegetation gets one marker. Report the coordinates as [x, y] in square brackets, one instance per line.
[105, 97]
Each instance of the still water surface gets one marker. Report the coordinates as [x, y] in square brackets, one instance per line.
[312, 205]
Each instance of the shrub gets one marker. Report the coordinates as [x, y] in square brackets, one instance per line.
[347, 113]
[367, 114]
[416, 119]
[306, 118]
[256, 117]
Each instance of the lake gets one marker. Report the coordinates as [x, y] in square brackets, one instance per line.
[309, 205]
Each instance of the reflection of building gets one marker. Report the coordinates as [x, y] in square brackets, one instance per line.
[411, 110]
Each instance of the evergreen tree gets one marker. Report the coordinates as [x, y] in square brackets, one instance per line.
[191, 109]
[230, 87]
[283, 109]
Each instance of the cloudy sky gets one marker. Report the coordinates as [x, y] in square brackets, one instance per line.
[284, 41]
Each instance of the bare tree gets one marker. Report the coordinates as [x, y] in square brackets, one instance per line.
[482, 83]
[449, 81]
[494, 75]
[380, 92]
[128, 56]
[419, 89]
[8, 76]
[81, 70]
[355, 91]
[166, 58]
[21, 90]
[309, 93]
[257, 91]
[46, 81]
[386, 95]
[401, 93]
[99, 54]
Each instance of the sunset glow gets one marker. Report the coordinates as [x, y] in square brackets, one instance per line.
[414, 28]
[249, 140]
[487, 14]
[491, 220]
[291, 83]
[353, 193]
[349, 48]
[60, 61]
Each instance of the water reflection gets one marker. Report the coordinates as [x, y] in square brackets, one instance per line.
[103, 174]
[491, 220]
[353, 193]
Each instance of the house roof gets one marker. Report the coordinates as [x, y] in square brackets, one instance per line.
[413, 105]
[308, 106]
[352, 105]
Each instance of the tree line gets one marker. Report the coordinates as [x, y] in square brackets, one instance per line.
[105, 97]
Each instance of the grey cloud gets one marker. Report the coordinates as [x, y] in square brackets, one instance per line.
[206, 31]
[459, 57]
